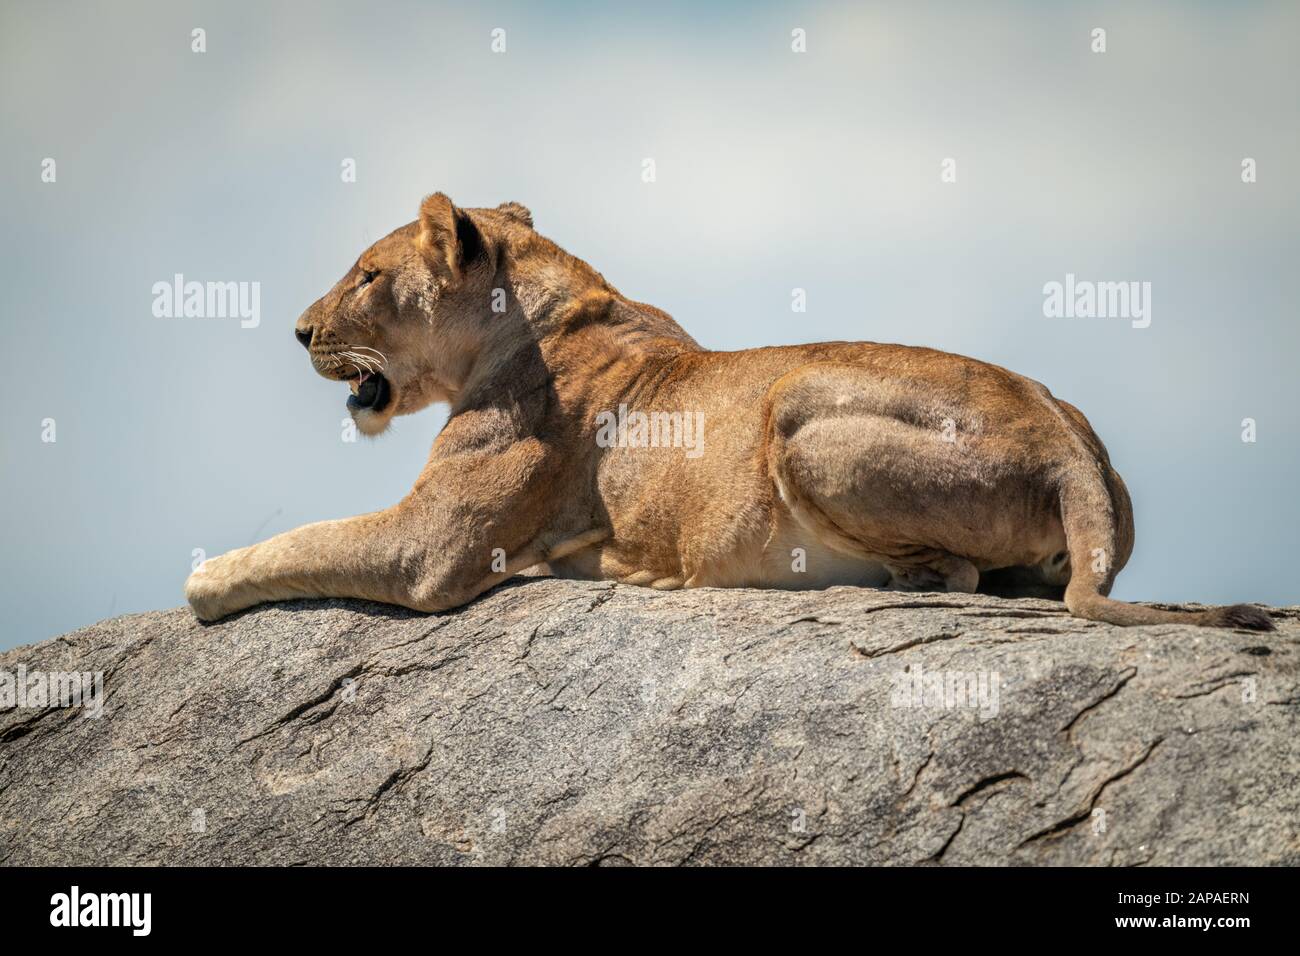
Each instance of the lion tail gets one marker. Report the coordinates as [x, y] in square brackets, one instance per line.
[1098, 526]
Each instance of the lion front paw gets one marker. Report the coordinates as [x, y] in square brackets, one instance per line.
[210, 590]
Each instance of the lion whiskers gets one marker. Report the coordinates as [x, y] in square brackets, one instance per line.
[370, 363]
[365, 348]
[364, 361]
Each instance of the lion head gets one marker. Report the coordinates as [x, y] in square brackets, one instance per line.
[405, 323]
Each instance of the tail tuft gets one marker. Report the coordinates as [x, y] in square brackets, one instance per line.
[1245, 616]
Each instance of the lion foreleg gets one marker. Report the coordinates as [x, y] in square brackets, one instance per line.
[374, 557]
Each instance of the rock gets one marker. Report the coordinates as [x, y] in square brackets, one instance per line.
[560, 722]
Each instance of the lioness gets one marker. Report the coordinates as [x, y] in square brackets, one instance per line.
[836, 463]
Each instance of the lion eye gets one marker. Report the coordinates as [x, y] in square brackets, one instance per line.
[367, 277]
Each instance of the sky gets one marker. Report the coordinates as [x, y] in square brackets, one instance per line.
[920, 170]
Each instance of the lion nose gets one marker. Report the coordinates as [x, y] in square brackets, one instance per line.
[303, 336]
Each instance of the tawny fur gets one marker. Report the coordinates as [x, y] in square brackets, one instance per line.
[835, 463]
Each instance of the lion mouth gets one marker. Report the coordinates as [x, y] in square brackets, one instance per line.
[370, 391]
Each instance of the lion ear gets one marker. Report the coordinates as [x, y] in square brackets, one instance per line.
[517, 211]
[448, 237]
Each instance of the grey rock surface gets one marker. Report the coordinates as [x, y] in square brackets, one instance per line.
[559, 722]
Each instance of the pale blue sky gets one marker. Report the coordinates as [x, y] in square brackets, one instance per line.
[775, 170]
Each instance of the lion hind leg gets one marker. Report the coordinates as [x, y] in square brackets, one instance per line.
[946, 572]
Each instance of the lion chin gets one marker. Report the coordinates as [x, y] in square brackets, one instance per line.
[371, 424]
